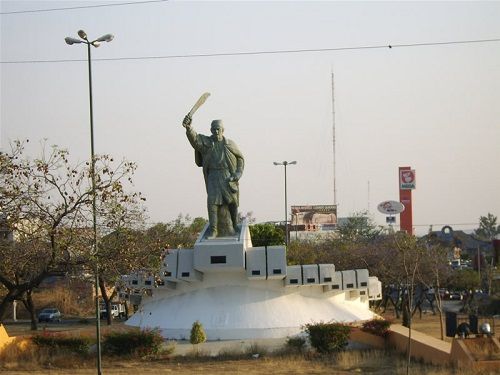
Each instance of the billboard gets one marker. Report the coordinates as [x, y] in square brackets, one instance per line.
[314, 217]
[406, 185]
[407, 179]
[390, 207]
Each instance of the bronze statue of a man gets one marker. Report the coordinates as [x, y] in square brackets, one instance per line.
[223, 165]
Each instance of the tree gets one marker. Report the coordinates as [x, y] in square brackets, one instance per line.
[146, 247]
[128, 250]
[181, 232]
[303, 252]
[266, 234]
[433, 273]
[119, 252]
[464, 280]
[411, 252]
[488, 227]
[47, 204]
[358, 227]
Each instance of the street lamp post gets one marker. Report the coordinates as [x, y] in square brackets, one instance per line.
[94, 43]
[285, 163]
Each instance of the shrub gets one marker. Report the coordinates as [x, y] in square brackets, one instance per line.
[56, 342]
[255, 350]
[296, 343]
[379, 327]
[328, 337]
[231, 353]
[141, 343]
[197, 334]
[490, 307]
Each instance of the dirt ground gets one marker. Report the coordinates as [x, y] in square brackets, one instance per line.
[247, 367]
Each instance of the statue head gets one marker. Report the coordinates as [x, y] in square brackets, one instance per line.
[217, 129]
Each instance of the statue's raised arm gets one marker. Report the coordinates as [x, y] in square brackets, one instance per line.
[187, 121]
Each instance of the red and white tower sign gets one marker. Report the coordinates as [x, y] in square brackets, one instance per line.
[406, 185]
[406, 178]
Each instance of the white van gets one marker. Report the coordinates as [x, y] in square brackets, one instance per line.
[117, 310]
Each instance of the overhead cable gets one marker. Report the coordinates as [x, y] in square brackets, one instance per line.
[253, 53]
[82, 7]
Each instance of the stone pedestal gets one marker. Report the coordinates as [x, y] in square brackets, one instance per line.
[240, 292]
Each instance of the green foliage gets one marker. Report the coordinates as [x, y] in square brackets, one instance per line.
[328, 337]
[379, 327]
[198, 335]
[492, 307]
[266, 235]
[305, 252]
[296, 343]
[488, 227]
[197, 225]
[181, 232]
[358, 227]
[464, 280]
[140, 343]
[57, 342]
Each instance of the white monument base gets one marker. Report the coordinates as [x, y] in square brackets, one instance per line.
[230, 306]
[231, 302]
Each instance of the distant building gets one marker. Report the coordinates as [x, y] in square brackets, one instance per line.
[462, 243]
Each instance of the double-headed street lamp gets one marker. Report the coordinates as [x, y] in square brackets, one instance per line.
[95, 43]
[285, 163]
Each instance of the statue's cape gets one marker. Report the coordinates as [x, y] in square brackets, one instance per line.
[231, 151]
[229, 146]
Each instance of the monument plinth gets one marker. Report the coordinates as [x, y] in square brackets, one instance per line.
[221, 254]
[238, 291]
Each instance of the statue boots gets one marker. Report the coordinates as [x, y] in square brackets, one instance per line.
[233, 211]
[212, 219]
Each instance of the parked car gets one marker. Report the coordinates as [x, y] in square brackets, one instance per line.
[49, 315]
[456, 296]
[444, 294]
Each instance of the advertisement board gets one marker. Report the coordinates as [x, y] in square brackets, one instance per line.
[407, 179]
[390, 207]
[406, 185]
[314, 217]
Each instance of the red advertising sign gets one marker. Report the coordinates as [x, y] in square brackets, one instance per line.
[407, 179]
[406, 184]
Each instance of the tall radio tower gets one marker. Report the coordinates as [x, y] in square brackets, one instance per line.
[333, 143]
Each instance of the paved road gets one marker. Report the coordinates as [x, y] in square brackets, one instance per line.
[454, 306]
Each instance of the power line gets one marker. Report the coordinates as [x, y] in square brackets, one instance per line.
[82, 7]
[250, 53]
[450, 224]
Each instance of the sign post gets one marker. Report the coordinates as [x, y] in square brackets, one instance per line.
[407, 183]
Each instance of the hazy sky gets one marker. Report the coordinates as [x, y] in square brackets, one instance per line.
[435, 108]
